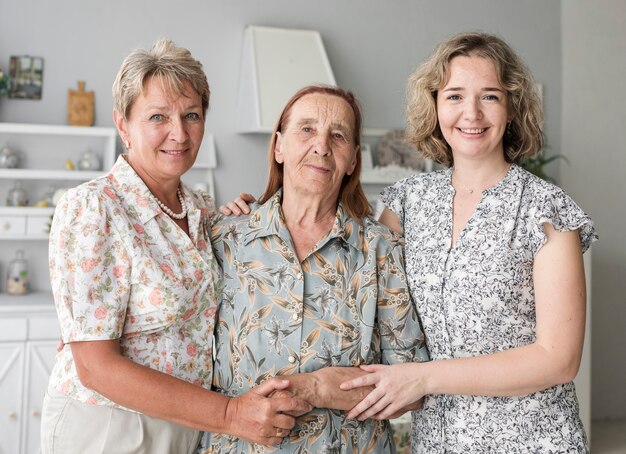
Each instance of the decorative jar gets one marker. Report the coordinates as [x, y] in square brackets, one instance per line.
[9, 158]
[17, 275]
[17, 196]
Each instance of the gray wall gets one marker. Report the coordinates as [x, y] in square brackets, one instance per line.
[594, 140]
[372, 46]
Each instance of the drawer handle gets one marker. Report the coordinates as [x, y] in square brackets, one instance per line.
[13, 415]
[36, 413]
[6, 226]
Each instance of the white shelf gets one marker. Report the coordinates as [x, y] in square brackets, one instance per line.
[61, 130]
[30, 302]
[26, 211]
[47, 174]
[43, 150]
[375, 132]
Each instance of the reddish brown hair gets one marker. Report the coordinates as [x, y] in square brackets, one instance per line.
[351, 194]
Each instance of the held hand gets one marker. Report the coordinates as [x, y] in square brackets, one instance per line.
[257, 418]
[321, 388]
[396, 387]
[283, 393]
[238, 206]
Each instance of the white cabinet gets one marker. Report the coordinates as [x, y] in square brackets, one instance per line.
[40, 356]
[43, 152]
[29, 336]
[11, 382]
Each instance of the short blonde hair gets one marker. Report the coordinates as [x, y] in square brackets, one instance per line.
[173, 64]
[524, 135]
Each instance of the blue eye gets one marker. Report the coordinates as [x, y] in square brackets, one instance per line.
[454, 97]
[306, 129]
[338, 136]
[156, 117]
[193, 116]
[491, 98]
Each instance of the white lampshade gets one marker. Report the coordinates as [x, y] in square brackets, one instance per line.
[277, 62]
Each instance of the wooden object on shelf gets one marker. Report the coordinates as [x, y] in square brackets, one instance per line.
[80, 106]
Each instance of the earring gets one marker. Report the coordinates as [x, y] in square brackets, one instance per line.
[127, 144]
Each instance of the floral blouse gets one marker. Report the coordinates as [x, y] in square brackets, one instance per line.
[477, 298]
[122, 269]
[346, 304]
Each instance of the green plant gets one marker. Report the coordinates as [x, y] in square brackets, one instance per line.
[536, 164]
[4, 83]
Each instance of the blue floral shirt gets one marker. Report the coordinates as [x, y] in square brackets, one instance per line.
[347, 303]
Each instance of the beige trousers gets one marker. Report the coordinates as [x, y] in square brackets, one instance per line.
[69, 426]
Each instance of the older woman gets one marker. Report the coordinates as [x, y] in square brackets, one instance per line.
[134, 282]
[310, 280]
[494, 259]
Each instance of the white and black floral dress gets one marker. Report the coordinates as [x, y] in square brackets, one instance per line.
[477, 298]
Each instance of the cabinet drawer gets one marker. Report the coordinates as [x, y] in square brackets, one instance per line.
[37, 225]
[13, 329]
[12, 225]
[40, 328]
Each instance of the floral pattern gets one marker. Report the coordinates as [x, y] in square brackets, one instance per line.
[347, 303]
[477, 298]
[122, 269]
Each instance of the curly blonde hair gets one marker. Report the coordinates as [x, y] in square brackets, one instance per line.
[173, 64]
[524, 135]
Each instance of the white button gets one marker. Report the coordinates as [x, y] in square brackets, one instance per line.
[299, 276]
[291, 359]
[294, 316]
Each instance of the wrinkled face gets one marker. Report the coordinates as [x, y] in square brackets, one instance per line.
[164, 131]
[472, 109]
[317, 147]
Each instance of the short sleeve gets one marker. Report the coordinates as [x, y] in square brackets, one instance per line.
[558, 209]
[401, 335]
[89, 269]
[394, 198]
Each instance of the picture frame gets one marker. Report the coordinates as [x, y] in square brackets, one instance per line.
[26, 75]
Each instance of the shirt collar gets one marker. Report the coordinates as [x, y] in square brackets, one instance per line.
[267, 220]
[130, 188]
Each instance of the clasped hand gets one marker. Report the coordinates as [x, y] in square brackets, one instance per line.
[397, 389]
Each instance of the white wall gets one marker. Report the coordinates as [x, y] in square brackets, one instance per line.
[594, 140]
[372, 47]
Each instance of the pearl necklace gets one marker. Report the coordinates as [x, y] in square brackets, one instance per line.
[169, 212]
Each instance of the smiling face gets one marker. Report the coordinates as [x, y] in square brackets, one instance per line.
[317, 146]
[472, 109]
[164, 131]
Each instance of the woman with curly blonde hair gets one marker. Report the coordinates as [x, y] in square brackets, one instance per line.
[494, 262]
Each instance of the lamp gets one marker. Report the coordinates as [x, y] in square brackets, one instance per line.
[276, 62]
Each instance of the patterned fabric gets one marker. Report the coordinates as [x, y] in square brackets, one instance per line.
[347, 303]
[478, 298]
[122, 269]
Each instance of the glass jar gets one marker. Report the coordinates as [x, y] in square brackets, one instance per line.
[89, 160]
[9, 158]
[17, 275]
[17, 196]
